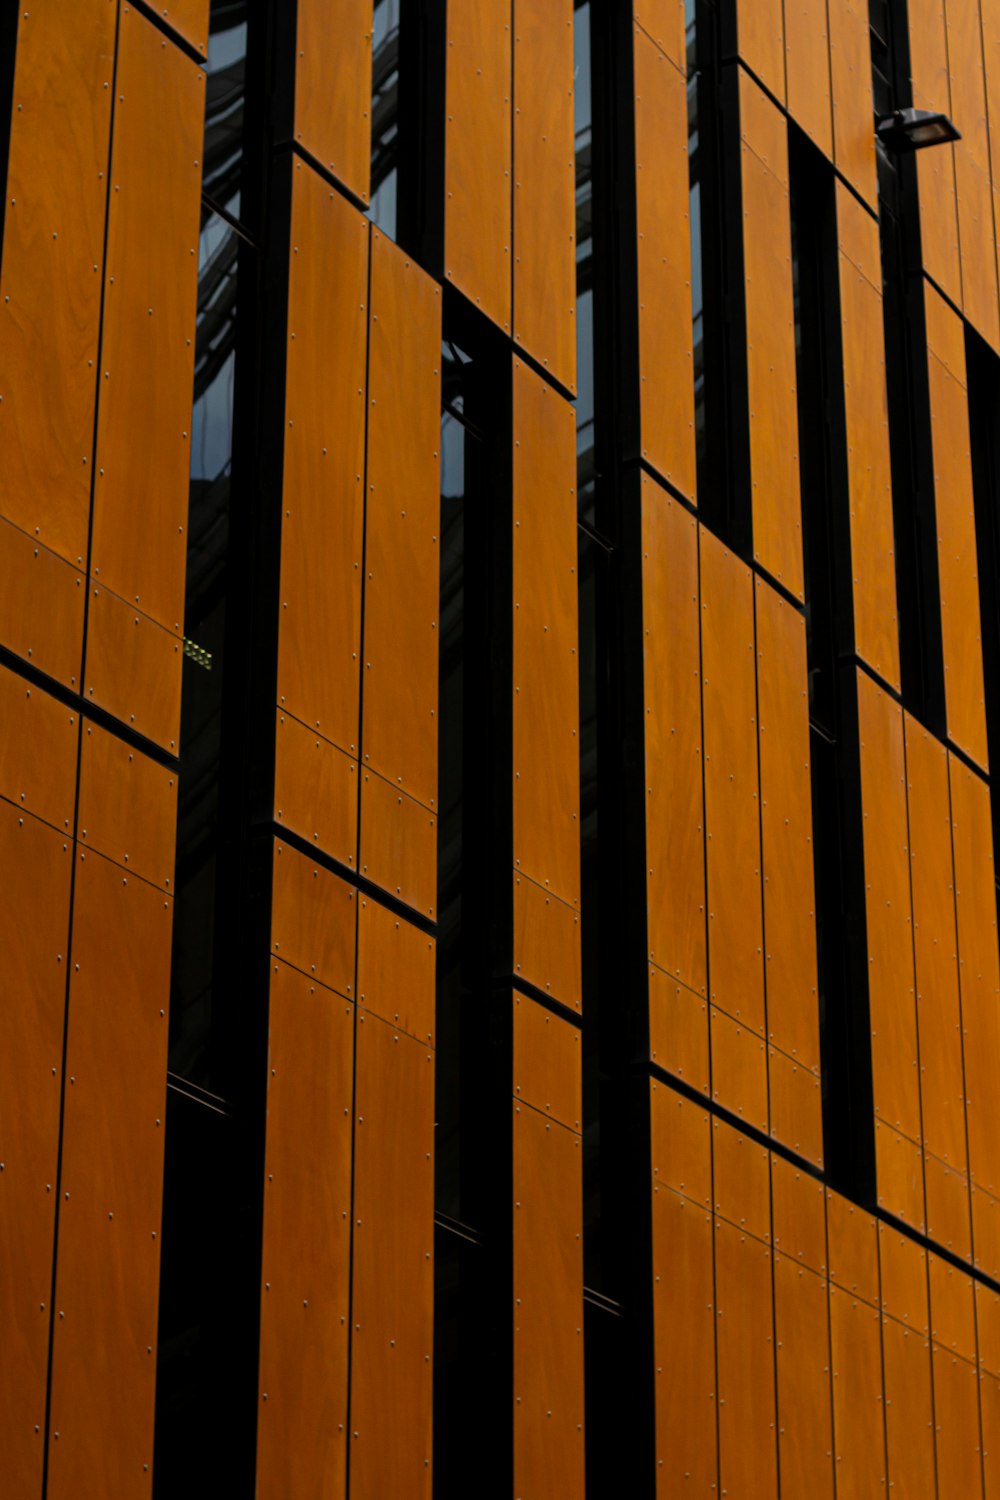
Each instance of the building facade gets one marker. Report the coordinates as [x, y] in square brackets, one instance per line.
[499, 666]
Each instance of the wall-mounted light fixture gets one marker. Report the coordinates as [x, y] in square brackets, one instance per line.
[913, 129]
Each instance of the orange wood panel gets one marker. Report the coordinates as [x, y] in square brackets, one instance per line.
[953, 1317]
[681, 1144]
[398, 843]
[393, 1280]
[402, 555]
[853, 1248]
[938, 197]
[851, 78]
[805, 1418]
[664, 22]
[938, 1011]
[908, 1409]
[887, 905]
[302, 1411]
[928, 40]
[547, 950]
[795, 1097]
[903, 1276]
[545, 665]
[548, 1309]
[989, 1402]
[34, 931]
[666, 367]
[986, 1232]
[732, 814]
[678, 1030]
[945, 333]
[900, 1168]
[333, 87]
[147, 345]
[761, 40]
[189, 18]
[547, 1067]
[949, 1210]
[807, 70]
[133, 668]
[37, 751]
[739, 1069]
[866, 412]
[786, 828]
[322, 527]
[675, 838]
[773, 412]
[396, 970]
[968, 83]
[477, 154]
[741, 1181]
[979, 969]
[544, 212]
[41, 606]
[684, 1347]
[798, 1209]
[745, 1344]
[988, 1327]
[313, 920]
[128, 806]
[107, 1274]
[958, 571]
[956, 1424]
[50, 286]
[858, 1430]
[315, 789]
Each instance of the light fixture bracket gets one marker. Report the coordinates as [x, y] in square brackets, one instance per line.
[915, 129]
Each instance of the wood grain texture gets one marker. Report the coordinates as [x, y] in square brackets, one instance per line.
[795, 1097]
[675, 838]
[805, 1426]
[305, 1266]
[953, 1314]
[903, 1278]
[322, 526]
[739, 1069]
[956, 1427]
[148, 334]
[853, 107]
[544, 214]
[128, 807]
[949, 1209]
[678, 1029]
[798, 1212]
[37, 752]
[313, 922]
[741, 1181]
[333, 87]
[908, 1408]
[396, 971]
[547, 1063]
[853, 1245]
[133, 668]
[547, 949]
[807, 70]
[398, 844]
[745, 1333]
[681, 1144]
[50, 285]
[684, 1347]
[41, 606]
[315, 789]
[760, 28]
[663, 21]
[899, 1166]
[189, 18]
[858, 1402]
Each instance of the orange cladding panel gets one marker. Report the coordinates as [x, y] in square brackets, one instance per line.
[41, 606]
[953, 1317]
[851, 77]
[949, 1210]
[675, 839]
[741, 1181]
[795, 1097]
[853, 1248]
[684, 1347]
[799, 1214]
[393, 1278]
[786, 826]
[545, 664]
[938, 1011]
[37, 752]
[147, 344]
[548, 1309]
[858, 1416]
[133, 668]
[34, 930]
[908, 1409]
[666, 369]
[128, 806]
[50, 287]
[977, 243]
[333, 87]
[678, 1029]
[402, 555]
[979, 970]
[396, 969]
[189, 18]
[807, 53]
[745, 1346]
[313, 920]
[739, 1069]
[547, 950]
[887, 903]
[900, 1170]
[664, 22]
[903, 1278]
[547, 1066]
[477, 154]
[398, 844]
[773, 412]
[761, 41]
[958, 570]
[732, 819]
[302, 1411]
[956, 1424]
[866, 412]
[315, 789]
[107, 1281]
[322, 526]
[802, 1328]
[681, 1144]
[545, 186]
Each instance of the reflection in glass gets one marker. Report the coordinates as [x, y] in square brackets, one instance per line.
[225, 86]
[585, 467]
[385, 116]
